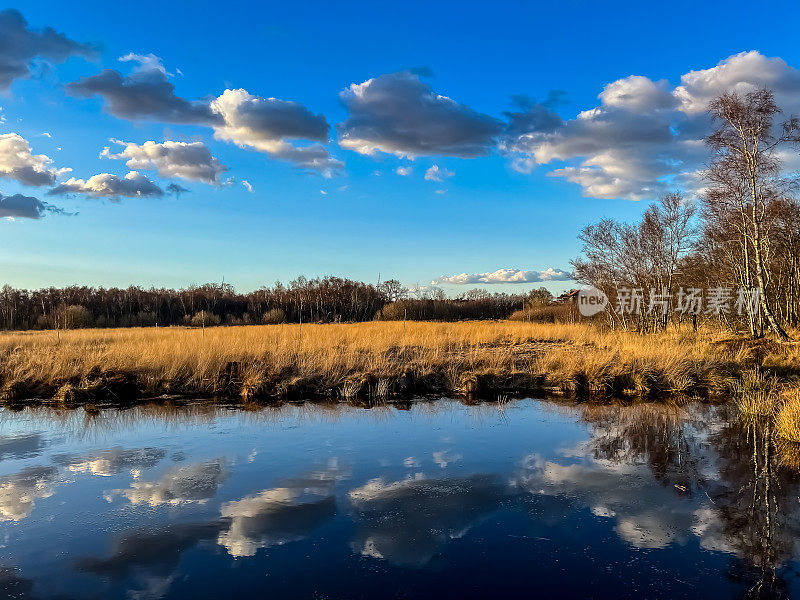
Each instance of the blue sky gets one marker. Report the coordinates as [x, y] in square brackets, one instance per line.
[502, 209]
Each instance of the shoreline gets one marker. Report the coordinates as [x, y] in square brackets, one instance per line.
[378, 362]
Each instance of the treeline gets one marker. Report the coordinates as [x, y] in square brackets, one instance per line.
[327, 300]
[742, 234]
[496, 306]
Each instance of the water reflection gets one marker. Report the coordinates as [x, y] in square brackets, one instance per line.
[21, 446]
[642, 466]
[14, 586]
[179, 485]
[275, 516]
[758, 505]
[406, 522]
[701, 502]
[18, 492]
[112, 461]
[150, 555]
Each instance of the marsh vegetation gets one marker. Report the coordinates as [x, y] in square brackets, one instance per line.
[378, 361]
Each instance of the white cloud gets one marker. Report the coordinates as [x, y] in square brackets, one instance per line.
[144, 94]
[506, 276]
[192, 161]
[265, 124]
[437, 173]
[19, 163]
[106, 185]
[20, 46]
[146, 62]
[396, 113]
[25, 207]
[247, 185]
[403, 171]
[646, 133]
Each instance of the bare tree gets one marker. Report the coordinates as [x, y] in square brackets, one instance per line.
[393, 289]
[745, 179]
[646, 255]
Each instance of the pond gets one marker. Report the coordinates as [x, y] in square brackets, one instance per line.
[525, 499]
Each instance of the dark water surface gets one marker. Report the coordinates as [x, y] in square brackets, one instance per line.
[532, 499]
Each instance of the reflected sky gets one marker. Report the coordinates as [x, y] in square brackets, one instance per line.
[444, 499]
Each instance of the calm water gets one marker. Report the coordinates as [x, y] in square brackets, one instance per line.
[444, 500]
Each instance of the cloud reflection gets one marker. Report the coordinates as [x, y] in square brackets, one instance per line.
[112, 461]
[182, 485]
[27, 445]
[279, 515]
[425, 515]
[19, 491]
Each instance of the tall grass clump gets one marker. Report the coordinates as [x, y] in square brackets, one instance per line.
[788, 418]
[758, 395]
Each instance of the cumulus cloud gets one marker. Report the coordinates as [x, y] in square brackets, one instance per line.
[404, 171]
[146, 62]
[186, 160]
[268, 125]
[25, 207]
[259, 121]
[265, 124]
[107, 185]
[437, 173]
[396, 113]
[506, 276]
[21, 45]
[19, 163]
[144, 94]
[644, 135]
[534, 116]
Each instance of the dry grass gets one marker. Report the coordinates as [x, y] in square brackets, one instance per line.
[375, 359]
[788, 418]
[758, 395]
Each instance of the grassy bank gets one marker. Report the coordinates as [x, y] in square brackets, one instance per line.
[376, 360]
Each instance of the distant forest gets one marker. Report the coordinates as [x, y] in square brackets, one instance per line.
[326, 300]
